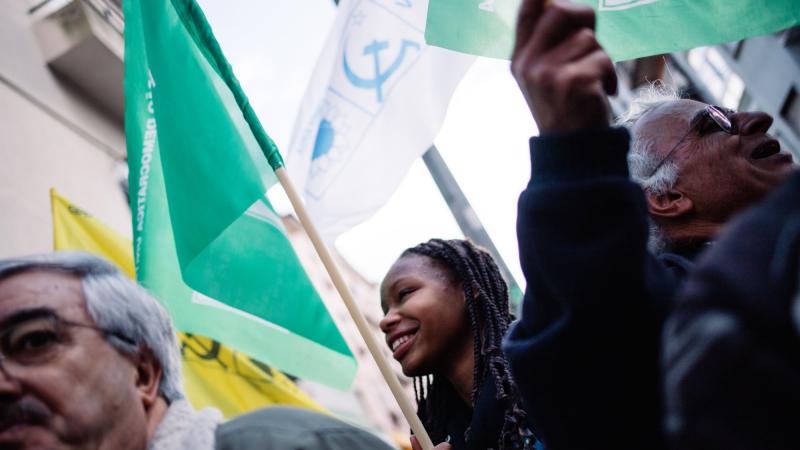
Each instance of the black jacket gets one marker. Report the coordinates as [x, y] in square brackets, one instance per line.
[732, 349]
[585, 353]
[485, 422]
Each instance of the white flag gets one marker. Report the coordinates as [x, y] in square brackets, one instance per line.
[376, 101]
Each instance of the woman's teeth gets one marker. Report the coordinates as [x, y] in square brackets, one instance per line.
[400, 341]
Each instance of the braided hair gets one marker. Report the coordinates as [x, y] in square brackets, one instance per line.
[487, 304]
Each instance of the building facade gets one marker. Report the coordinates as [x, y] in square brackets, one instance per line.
[760, 73]
[55, 131]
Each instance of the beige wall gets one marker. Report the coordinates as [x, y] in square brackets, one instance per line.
[50, 136]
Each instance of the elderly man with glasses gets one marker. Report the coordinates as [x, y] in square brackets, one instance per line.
[586, 351]
[89, 360]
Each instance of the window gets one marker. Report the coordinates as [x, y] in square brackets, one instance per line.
[790, 111]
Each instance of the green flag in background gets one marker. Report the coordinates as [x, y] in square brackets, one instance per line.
[206, 240]
[627, 29]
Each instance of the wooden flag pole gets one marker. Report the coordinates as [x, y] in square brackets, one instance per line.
[361, 323]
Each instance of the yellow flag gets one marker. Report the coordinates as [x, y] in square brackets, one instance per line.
[214, 375]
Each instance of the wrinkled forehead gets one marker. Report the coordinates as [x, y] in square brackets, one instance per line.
[40, 290]
[668, 121]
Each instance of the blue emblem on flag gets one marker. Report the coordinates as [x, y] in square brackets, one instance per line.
[380, 77]
[324, 140]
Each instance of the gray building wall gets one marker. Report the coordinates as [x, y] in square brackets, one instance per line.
[761, 73]
[770, 68]
[52, 136]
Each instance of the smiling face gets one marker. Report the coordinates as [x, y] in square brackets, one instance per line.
[721, 173]
[84, 395]
[426, 322]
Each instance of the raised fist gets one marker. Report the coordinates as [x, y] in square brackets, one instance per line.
[560, 67]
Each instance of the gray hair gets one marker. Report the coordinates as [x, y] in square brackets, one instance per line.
[117, 304]
[642, 158]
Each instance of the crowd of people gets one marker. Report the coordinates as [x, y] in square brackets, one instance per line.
[662, 258]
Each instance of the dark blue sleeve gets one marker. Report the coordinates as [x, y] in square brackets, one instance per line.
[585, 352]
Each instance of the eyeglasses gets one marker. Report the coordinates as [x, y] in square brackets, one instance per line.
[36, 340]
[710, 117]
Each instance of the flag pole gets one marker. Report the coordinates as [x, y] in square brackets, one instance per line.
[275, 161]
[361, 323]
[467, 220]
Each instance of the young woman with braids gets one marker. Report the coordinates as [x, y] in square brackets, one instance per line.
[447, 311]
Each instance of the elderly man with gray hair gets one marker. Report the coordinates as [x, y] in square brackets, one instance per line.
[89, 360]
[723, 162]
[586, 351]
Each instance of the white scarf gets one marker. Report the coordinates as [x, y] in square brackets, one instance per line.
[184, 428]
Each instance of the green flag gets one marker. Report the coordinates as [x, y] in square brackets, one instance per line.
[627, 29]
[206, 240]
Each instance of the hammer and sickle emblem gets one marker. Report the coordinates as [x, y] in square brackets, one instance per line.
[381, 76]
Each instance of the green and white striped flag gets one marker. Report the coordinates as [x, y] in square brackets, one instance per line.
[627, 29]
[206, 240]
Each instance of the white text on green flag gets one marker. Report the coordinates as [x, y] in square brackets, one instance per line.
[206, 240]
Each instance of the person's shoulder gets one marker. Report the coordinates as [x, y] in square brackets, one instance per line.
[680, 266]
[292, 428]
[289, 418]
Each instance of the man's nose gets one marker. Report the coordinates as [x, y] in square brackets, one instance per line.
[753, 122]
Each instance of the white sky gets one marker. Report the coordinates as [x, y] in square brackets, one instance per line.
[273, 46]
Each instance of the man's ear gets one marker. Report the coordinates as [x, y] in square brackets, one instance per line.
[148, 377]
[671, 204]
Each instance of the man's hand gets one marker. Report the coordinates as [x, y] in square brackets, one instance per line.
[415, 445]
[561, 68]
